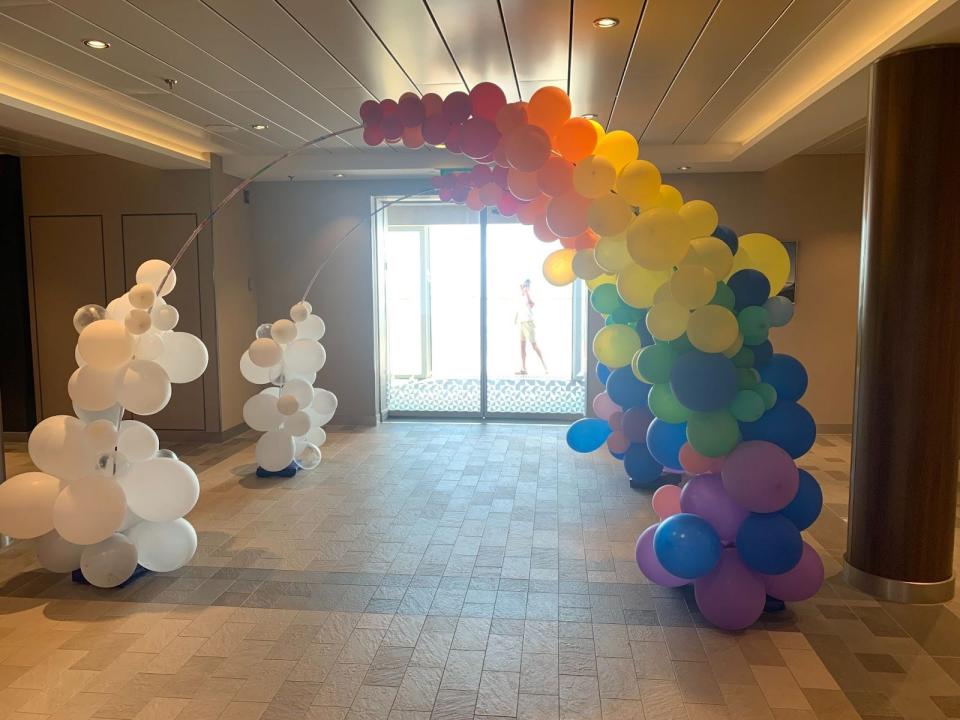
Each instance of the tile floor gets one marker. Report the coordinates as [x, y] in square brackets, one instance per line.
[451, 571]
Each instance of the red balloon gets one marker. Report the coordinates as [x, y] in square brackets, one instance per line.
[445, 194]
[432, 104]
[392, 127]
[410, 110]
[371, 113]
[487, 99]
[510, 116]
[459, 193]
[435, 129]
[412, 138]
[490, 193]
[500, 155]
[456, 107]
[528, 147]
[388, 107]
[543, 231]
[373, 135]
[508, 205]
[453, 138]
[534, 210]
[479, 137]
[473, 200]
[567, 214]
[480, 175]
[555, 176]
[500, 176]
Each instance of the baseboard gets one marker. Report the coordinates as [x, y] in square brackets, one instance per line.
[201, 435]
[13, 436]
[828, 429]
[353, 420]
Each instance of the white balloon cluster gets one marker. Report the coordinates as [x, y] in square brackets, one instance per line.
[107, 497]
[292, 412]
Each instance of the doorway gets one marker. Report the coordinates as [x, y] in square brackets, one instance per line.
[467, 326]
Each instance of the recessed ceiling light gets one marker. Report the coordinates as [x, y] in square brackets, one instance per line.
[683, 167]
[605, 23]
[338, 175]
[95, 44]
[590, 116]
[258, 126]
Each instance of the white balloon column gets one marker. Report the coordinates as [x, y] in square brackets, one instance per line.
[106, 497]
[291, 412]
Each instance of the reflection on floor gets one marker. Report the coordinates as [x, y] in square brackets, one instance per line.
[519, 395]
[451, 571]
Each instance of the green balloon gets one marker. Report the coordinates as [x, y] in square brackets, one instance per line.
[747, 406]
[605, 299]
[653, 363]
[713, 434]
[626, 315]
[664, 404]
[754, 324]
[747, 379]
[681, 345]
[724, 296]
[769, 394]
[744, 358]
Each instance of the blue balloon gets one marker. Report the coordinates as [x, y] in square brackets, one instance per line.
[750, 287]
[762, 353]
[664, 441]
[603, 372]
[618, 456]
[588, 434]
[626, 390]
[728, 236]
[769, 543]
[641, 327]
[703, 381]
[687, 545]
[641, 467]
[807, 504]
[785, 424]
[787, 375]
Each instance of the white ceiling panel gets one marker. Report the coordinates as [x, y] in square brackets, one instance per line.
[539, 34]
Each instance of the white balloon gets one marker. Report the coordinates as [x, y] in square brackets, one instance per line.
[149, 346]
[109, 563]
[260, 413]
[161, 489]
[89, 510]
[119, 308]
[301, 311]
[130, 518]
[287, 405]
[100, 435]
[265, 352]
[142, 296]
[317, 435]
[273, 392]
[164, 546]
[308, 455]
[26, 504]
[105, 344]
[184, 357]
[77, 358]
[165, 317]
[274, 450]
[56, 554]
[151, 273]
[94, 388]
[297, 424]
[137, 441]
[318, 419]
[305, 356]
[324, 401]
[300, 389]
[313, 328]
[111, 414]
[144, 387]
[780, 310]
[137, 322]
[251, 372]
[57, 446]
[284, 331]
[112, 464]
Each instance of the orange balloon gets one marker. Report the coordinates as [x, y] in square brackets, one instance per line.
[575, 139]
[528, 147]
[567, 214]
[412, 137]
[529, 213]
[556, 176]
[584, 241]
[549, 108]
[490, 193]
[523, 185]
[542, 231]
[473, 200]
[510, 116]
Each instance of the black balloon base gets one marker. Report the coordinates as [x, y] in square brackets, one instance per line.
[140, 571]
[288, 472]
[773, 605]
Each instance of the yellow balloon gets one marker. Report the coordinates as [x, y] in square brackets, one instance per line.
[638, 286]
[667, 320]
[768, 255]
[612, 254]
[609, 215]
[670, 197]
[700, 216]
[594, 176]
[663, 292]
[585, 265]
[735, 348]
[639, 182]
[598, 129]
[711, 252]
[712, 328]
[693, 286]
[558, 267]
[619, 147]
[600, 280]
[615, 345]
[658, 239]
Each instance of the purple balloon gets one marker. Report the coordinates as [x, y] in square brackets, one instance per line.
[731, 596]
[704, 495]
[634, 424]
[651, 567]
[800, 582]
[760, 476]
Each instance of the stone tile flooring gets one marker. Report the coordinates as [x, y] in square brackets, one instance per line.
[451, 571]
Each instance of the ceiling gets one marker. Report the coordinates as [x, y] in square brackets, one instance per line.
[712, 84]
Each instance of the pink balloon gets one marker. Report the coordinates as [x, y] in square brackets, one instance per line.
[604, 407]
[650, 565]
[435, 129]
[479, 137]
[635, 423]
[731, 596]
[697, 464]
[760, 476]
[704, 495]
[616, 420]
[617, 442]
[666, 501]
[801, 582]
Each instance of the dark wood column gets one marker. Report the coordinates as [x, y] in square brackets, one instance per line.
[906, 433]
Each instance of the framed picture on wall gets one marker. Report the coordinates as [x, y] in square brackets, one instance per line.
[790, 289]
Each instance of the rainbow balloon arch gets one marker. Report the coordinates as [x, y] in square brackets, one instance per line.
[692, 383]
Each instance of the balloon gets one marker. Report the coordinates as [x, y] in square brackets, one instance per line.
[603, 372]
[558, 267]
[747, 406]
[105, 344]
[665, 406]
[604, 299]
[567, 214]
[549, 107]
[297, 424]
[637, 285]
[164, 546]
[703, 381]
[712, 328]
[487, 99]
[587, 434]
[801, 582]
[760, 476]
[705, 496]
[713, 433]
[625, 389]
[667, 320]
[712, 253]
[619, 147]
[86, 315]
[373, 136]
[641, 467]
[312, 328]
[787, 375]
[635, 423]
[56, 554]
[523, 185]
[456, 107]
[750, 287]
[806, 505]
[754, 325]
[137, 441]
[780, 310]
[510, 116]
[700, 217]
[144, 387]
[26, 504]
[100, 435]
[109, 563]
[666, 501]
[152, 273]
[287, 405]
[603, 406]
[185, 356]
[612, 255]
[324, 401]
[275, 450]
[786, 424]
[119, 308]
[305, 356]
[478, 137]
[265, 352]
[728, 236]
[723, 296]
[617, 442]
[555, 177]
[57, 447]
[89, 510]
[693, 286]
[253, 373]
[283, 331]
[594, 177]
[260, 413]
[696, 464]
[650, 565]
[732, 597]
[575, 139]
[769, 543]
[609, 215]
[307, 455]
[654, 362]
[762, 354]
[687, 546]
[664, 441]
[527, 147]
[615, 345]
[585, 266]
[301, 390]
[658, 239]
[94, 388]
[766, 254]
[639, 182]
[161, 489]
[137, 322]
